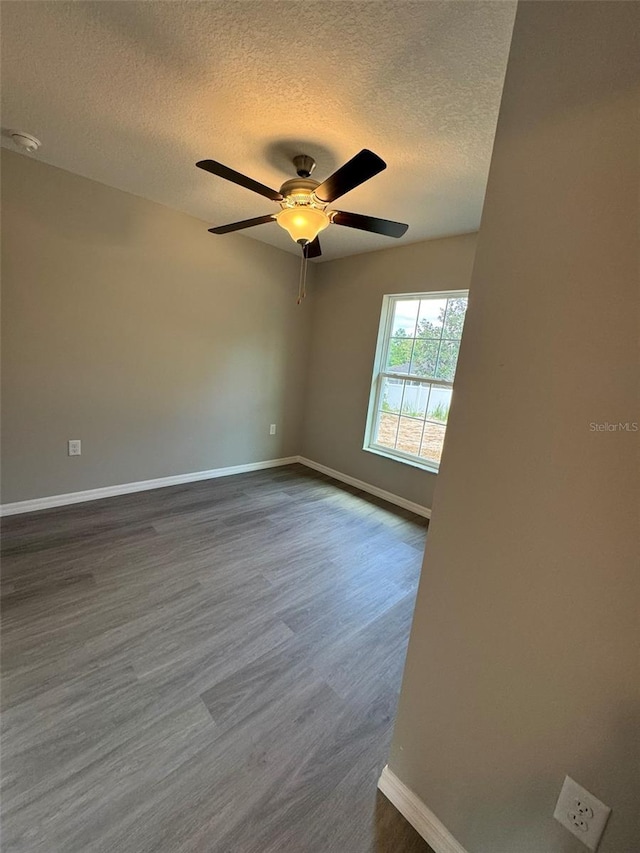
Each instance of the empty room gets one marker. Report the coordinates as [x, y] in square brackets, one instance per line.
[319, 427]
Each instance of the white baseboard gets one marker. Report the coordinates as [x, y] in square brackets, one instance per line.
[419, 816]
[367, 487]
[140, 486]
[145, 485]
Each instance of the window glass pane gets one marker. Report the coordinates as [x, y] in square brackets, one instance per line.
[387, 430]
[439, 403]
[399, 355]
[422, 340]
[405, 313]
[454, 320]
[447, 360]
[409, 435]
[391, 396]
[432, 441]
[425, 354]
[416, 396]
[430, 318]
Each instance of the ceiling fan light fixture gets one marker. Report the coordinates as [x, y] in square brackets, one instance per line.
[304, 202]
[303, 223]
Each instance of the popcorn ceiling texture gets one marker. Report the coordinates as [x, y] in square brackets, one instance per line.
[131, 94]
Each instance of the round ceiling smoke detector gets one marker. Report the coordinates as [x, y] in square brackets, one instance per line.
[28, 143]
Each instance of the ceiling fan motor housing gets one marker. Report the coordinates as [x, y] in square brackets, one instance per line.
[298, 190]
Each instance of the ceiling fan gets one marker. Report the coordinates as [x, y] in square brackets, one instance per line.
[304, 202]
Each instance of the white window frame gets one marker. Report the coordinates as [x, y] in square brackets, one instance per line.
[379, 374]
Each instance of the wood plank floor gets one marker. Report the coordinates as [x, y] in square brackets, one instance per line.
[208, 668]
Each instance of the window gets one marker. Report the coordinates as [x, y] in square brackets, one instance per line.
[413, 375]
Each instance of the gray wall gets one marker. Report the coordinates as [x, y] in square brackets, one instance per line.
[164, 349]
[347, 301]
[523, 659]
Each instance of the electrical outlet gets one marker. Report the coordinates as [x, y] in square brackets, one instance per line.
[581, 813]
[75, 447]
[272, 429]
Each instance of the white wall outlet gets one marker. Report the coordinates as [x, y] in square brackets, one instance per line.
[75, 447]
[581, 813]
[272, 429]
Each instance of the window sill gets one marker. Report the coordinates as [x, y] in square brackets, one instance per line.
[431, 467]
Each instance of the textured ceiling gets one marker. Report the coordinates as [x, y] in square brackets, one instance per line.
[133, 93]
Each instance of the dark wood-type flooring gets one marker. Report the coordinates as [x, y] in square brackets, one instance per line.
[211, 667]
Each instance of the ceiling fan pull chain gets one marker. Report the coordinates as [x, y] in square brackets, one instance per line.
[305, 258]
[302, 284]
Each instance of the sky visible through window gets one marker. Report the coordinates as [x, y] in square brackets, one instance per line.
[408, 312]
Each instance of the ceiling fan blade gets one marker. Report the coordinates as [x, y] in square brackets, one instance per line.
[238, 178]
[246, 223]
[369, 223]
[312, 249]
[359, 169]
